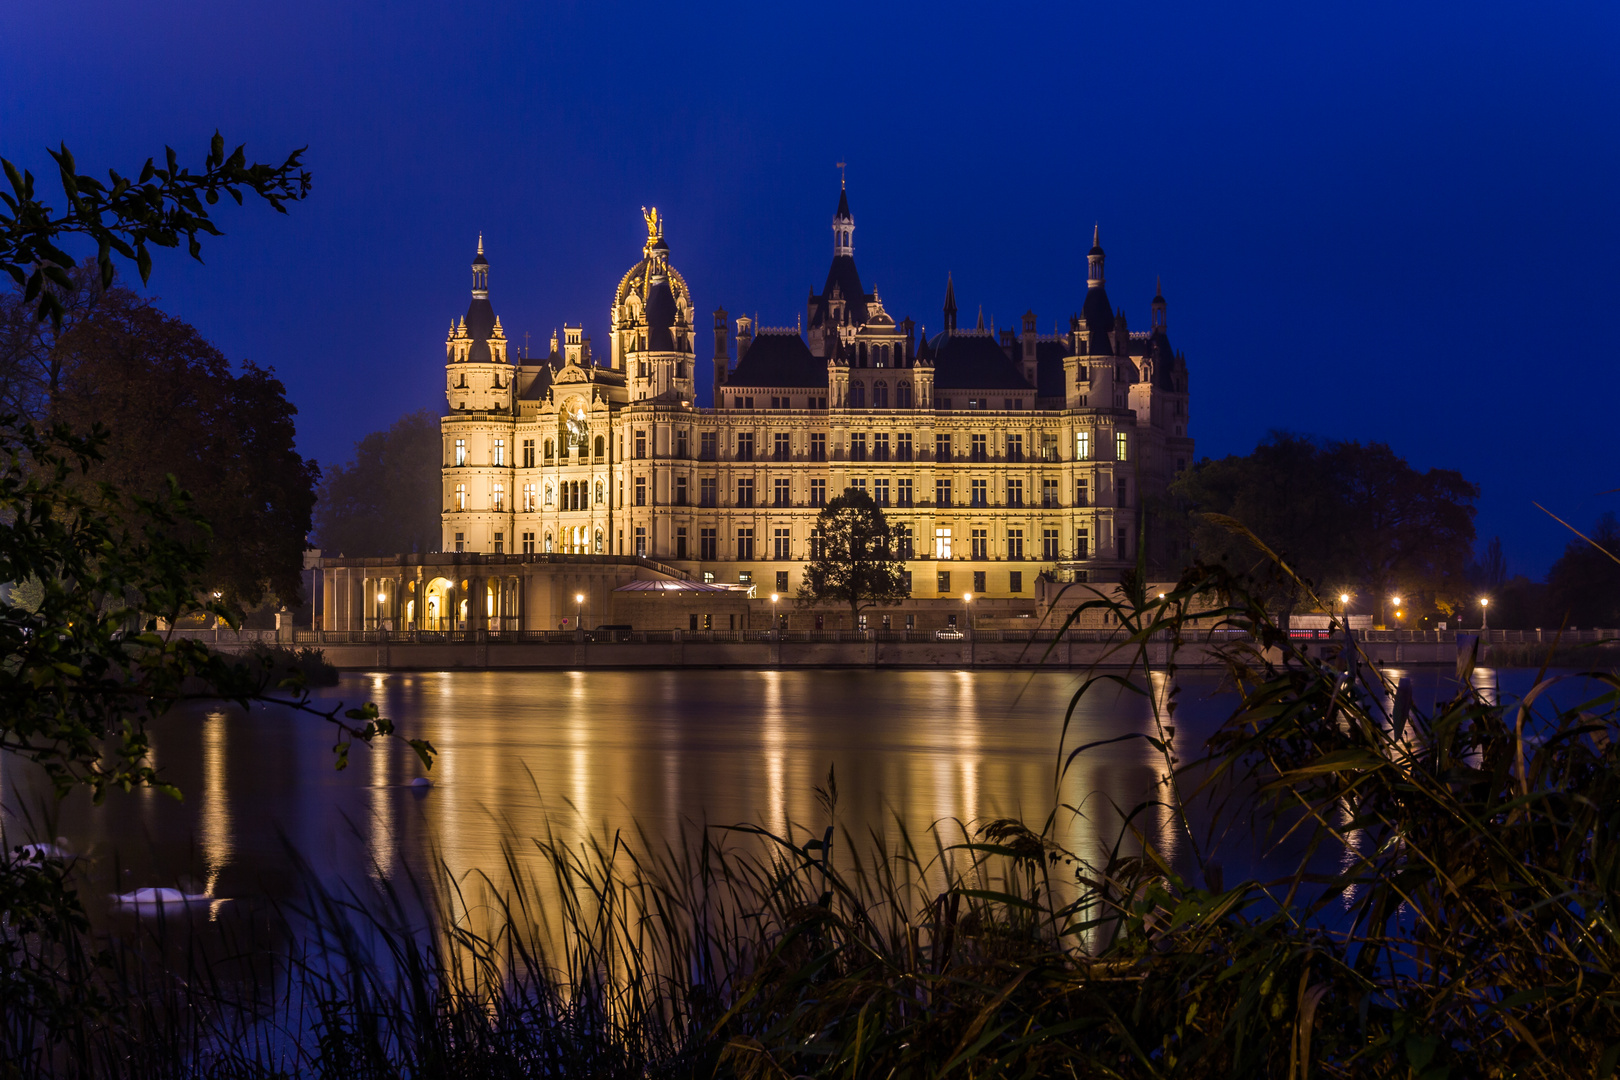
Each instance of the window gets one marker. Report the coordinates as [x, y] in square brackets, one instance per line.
[981, 494]
[1015, 493]
[461, 496]
[942, 492]
[461, 541]
[1124, 544]
[818, 542]
[942, 448]
[978, 581]
[781, 446]
[880, 491]
[880, 395]
[706, 444]
[1049, 449]
[902, 395]
[680, 541]
[550, 449]
[744, 577]
[706, 491]
[600, 447]
[1082, 446]
[461, 451]
[980, 544]
[902, 492]
[745, 543]
[1082, 492]
[781, 492]
[857, 448]
[1015, 581]
[641, 444]
[745, 446]
[944, 403]
[706, 544]
[500, 543]
[781, 545]
[1049, 492]
[1049, 544]
[641, 541]
[978, 452]
[529, 497]
[745, 491]
[859, 484]
[1015, 448]
[528, 543]
[905, 545]
[1082, 544]
[857, 395]
[680, 491]
[681, 444]
[818, 447]
[498, 456]
[528, 453]
[641, 491]
[942, 583]
[782, 583]
[1122, 484]
[748, 403]
[942, 543]
[1015, 544]
[818, 493]
[1121, 446]
[880, 447]
[902, 446]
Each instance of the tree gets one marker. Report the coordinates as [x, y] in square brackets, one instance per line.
[853, 559]
[171, 404]
[387, 500]
[1583, 586]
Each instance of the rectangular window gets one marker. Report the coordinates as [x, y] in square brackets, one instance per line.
[498, 496]
[905, 544]
[817, 542]
[1082, 543]
[980, 540]
[979, 452]
[1049, 544]
[880, 447]
[818, 493]
[1122, 484]
[902, 493]
[744, 577]
[859, 483]
[748, 403]
[1015, 493]
[706, 544]
[500, 543]
[461, 541]
[461, 496]
[1124, 544]
[782, 583]
[1015, 581]
[706, 443]
[528, 453]
[641, 541]
[641, 444]
[680, 541]
[528, 497]
[942, 583]
[818, 447]
[461, 451]
[552, 443]
[1082, 446]
[1049, 492]
[745, 491]
[745, 446]
[902, 446]
[641, 491]
[781, 545]
[1015, 544]
[528, 543]
[978, 581]
[942, 543]
[781, 491]
[942, 492]
[1082, 492]
[781, 446]
[706, 491]
[498, 457]
[682, 444]
[880, 491]
[680, 491]
[981, 494]
[942, 448]
[745, 543]
[1121, 446]
[1049, 446]
[857, 448]
[1015, 448]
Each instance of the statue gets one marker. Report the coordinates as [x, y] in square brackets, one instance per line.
[655, 227]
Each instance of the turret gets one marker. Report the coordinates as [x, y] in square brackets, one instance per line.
[950, 304]
[477, 378]
[1026, 349]
[722, 353]
[1159, 320]
[843, 225]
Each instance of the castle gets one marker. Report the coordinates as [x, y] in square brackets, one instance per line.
[997, 457]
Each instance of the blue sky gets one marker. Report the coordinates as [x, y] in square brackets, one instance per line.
[1388, 222]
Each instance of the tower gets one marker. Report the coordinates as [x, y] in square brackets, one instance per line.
[722, 354]
[1159, 321]
[477, 378]
[843, 225]
[653, 331]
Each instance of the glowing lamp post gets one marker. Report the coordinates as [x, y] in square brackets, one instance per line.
[967, 609]
[579, 611]
[774, 624]
[1484, 613]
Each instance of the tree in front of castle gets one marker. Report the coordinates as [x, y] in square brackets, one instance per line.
[853, 559]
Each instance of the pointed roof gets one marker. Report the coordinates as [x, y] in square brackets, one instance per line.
[843, 213]
[1096, 239]
[478, 259]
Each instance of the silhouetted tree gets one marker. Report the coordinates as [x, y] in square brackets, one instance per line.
[856, 562]
[1583, 586]
[387, 501]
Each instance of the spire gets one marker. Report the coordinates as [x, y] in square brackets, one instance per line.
[950, 303]
[480, 241]
[980, 327]
[480, 272]
[1094, 260]
[843, 223]
[1159, 320]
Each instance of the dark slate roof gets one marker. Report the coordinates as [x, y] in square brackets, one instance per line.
[1098, 313]
[843, 274]
[971, 361]
[1165, 361]
[536, 390]
[779, 359]
[843, 206]
[660, 314]
[1049, 367]
[480, 325]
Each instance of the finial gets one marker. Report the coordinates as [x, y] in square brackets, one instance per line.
[655, 225]
[841, 177]
[480, 241]
[981, 316]
[1096, 234]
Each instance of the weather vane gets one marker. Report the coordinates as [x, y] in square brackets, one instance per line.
[840, 176]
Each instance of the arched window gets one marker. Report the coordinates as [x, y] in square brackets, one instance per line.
[860, 352]
[857, 395]
[880, 395]
[902, 395]
[550, 450]
[599, 450]
[883, 356]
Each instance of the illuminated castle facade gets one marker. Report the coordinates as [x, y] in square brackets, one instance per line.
[995, 456]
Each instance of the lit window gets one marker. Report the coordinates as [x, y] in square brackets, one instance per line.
[498, 496]
[1082, 446]
[528, 497]
[499, 457]
[461, 496]
[461, 451]
[461, 541]
[942, 543]
[1120, 445]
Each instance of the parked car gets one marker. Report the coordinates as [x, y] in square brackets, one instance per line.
[949, 633]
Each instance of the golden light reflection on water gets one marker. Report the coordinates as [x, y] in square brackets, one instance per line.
[215, 813]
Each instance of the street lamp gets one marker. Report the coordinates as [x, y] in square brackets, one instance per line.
[579, 615]
[967, 609]
[1344, 614]
[1484, 613]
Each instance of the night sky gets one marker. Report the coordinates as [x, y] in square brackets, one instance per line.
[1389, 222]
